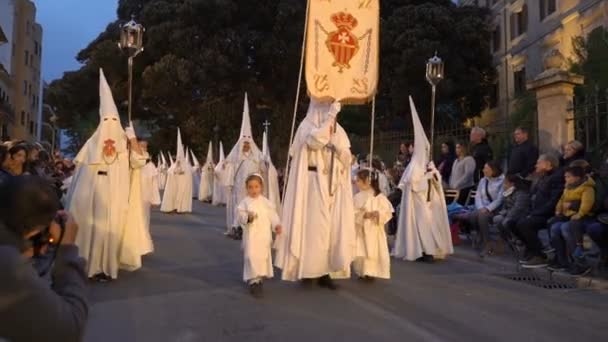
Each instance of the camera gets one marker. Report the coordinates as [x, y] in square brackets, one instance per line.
[45, 246]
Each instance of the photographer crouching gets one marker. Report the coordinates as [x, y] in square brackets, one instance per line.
[31, 227]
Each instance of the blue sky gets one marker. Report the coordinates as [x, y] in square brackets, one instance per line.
[69, 25]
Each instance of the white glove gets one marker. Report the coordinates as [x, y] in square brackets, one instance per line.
[130, 131]
[335, 109]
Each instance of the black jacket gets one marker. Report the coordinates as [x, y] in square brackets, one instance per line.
[31, 309]
[546, 193]
[482, 153]
[523, 159]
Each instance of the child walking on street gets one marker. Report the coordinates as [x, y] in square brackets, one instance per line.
[258, 217]
[372, 212]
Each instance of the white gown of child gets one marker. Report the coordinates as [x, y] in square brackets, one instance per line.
[257, 236]
[373, 258]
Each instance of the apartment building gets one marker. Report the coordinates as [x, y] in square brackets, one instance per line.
[20, 70]
[525, 32]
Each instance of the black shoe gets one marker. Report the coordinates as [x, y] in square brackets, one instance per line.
[368, 279]
[426, 258]
[306, 283]
[535, 262]
[577, 269]
[256, 290]
[556, 267]
[326, 282]
[102, 278]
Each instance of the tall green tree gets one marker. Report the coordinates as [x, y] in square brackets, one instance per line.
[202, 55]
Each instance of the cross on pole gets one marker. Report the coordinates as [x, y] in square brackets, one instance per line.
[266, 125]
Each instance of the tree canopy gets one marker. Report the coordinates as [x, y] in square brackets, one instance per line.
[202, 55]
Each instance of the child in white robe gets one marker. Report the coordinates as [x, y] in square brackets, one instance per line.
[372, 211]
[258, 217]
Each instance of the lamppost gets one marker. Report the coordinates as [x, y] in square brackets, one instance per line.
[434, 75]
[131, 39]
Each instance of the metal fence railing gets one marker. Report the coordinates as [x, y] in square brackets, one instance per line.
[591, 122]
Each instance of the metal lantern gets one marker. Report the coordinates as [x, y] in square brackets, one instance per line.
[132, 40]
[434, 75]
[132, 37]
[434, 70]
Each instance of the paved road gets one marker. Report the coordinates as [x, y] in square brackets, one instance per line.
[190, 290]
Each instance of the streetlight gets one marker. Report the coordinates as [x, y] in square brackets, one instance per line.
[434, 75]
[131, 39]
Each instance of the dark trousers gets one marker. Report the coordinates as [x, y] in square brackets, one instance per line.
[527, 230]
[598, 232]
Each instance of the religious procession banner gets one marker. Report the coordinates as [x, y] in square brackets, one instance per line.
[342, 49]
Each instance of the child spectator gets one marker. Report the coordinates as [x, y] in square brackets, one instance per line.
[579, 193]
[372, 212]
[257, 216]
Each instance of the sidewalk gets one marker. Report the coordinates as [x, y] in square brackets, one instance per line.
[507, 263]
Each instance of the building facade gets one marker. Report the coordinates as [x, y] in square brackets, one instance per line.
[525, 33]
[21, 70]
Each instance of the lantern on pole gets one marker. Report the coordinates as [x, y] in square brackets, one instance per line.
[434, 75]
[131, 40]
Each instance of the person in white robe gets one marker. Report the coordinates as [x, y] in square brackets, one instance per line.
[162, 171]
[258, 217]
[144, 193]
[98, 196]
[372, 212]
[205, 192]
[243, 160]
[178, 191]
[423, 231]
[219, 190]
[196, 174]
[318, 239]
[271, 177]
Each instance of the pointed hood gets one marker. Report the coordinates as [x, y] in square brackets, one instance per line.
[221, 156]
[194, 159]
[417, 167]
[171, 159]
[180, 155]
[109, 139]
[245, 136]
[209, 154]
[162, 158]
[188, 160]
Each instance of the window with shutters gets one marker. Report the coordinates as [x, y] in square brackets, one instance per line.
[519, 81]
[547, 7]
[519, 22]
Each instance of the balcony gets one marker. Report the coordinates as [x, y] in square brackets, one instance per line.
[7, 114]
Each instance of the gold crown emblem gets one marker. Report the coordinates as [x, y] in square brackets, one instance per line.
[344, 20]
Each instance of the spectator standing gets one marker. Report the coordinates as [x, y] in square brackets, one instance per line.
[463, 172]
[5, 175]
[544, 197]
[17, 156]
[446, 160]
[59, 312]
[523, 155]
[404, 156]
[573, 150]
[480, 150]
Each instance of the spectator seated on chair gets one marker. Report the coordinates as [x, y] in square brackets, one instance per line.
[515, 204]
[545, 194]
[579, 193]
[596, 227]
[488, 200]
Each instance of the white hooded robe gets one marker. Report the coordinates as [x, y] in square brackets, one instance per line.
[219, 190]
[271, 177]
[205, 192]
[423, 226]
[318, 226]
[178, 191]
[98, 196]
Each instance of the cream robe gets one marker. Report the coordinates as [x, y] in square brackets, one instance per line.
[219, 189]
[205, 192]
[136, 240]
[162, 176]
[257, 236]
[373, 258]
[178, 191]
[98, 199]
[319, 229]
